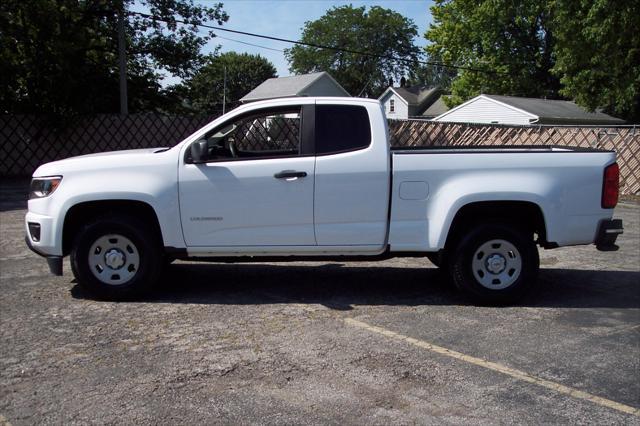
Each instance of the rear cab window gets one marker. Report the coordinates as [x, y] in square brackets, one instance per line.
[341, 128]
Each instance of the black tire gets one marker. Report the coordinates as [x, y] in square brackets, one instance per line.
[137, 237]
[440, 260]
[484, 264]
[435, 258]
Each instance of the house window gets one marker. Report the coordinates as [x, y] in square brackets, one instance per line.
[392, 106]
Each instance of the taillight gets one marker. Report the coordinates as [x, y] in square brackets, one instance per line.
[610, 186]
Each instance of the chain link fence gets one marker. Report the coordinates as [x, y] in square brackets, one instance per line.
[27, 141]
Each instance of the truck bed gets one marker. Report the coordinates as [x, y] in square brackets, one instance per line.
[440, 180]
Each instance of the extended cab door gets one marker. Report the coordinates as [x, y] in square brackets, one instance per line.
[255, 188]
[352, 174]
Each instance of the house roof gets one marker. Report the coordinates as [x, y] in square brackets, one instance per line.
[414, 95]
[436, 108]
[419, 99]
[282, 87]
[555, 111]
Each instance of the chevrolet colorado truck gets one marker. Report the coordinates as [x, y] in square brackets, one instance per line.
[316, 179]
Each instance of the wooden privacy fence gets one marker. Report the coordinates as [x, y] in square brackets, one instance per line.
[27, 141]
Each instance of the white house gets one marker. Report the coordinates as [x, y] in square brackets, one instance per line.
[315, 84]
[493, 109]
[413, 102]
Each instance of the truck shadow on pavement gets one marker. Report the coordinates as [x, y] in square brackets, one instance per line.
[341, 287]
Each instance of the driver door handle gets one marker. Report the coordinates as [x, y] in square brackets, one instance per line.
[289, 174]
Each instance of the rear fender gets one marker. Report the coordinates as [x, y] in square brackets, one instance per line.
[456, 194]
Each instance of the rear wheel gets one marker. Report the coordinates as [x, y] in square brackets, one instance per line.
[116, 257]
[495, 264]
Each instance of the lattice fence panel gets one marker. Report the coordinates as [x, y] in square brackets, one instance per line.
[625, 140]
[27, 141]
[268, 134]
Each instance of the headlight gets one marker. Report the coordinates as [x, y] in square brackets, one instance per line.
[44, 186]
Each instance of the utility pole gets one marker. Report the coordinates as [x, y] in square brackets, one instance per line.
[224, 91]
[122, 59]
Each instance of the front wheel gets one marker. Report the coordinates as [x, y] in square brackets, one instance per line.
[116, 257]
[495, 264]
[436, 259]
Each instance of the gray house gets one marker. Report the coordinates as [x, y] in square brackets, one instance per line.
[413, 102]
[316, 84]
[494, 109]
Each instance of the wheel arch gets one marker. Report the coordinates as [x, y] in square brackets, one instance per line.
[524, 214]
[80, 213]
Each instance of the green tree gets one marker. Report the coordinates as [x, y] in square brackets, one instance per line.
[598, 54]
[430, 75]
[204, 91]
[379, 31]
[511, 40]
[61, 56]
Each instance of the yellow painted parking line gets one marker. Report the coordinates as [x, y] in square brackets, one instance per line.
[518, 374]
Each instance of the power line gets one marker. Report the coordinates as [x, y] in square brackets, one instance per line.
[250, 44]
[317, 46]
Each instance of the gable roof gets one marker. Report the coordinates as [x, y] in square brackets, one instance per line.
[416, 95]
[436, 108]
[412, 95]
[547, 111]
[296, 85]
[419, 98]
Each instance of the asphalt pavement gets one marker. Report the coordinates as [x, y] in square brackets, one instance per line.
[320, 343]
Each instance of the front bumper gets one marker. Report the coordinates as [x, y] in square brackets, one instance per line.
[41, 238]
[54, 262]
[608, 232]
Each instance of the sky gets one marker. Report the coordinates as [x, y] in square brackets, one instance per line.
[285, 19]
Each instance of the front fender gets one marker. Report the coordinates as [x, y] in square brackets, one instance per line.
[151, 189]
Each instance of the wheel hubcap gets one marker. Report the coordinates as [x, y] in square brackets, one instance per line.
[496, 264]
[114, 259]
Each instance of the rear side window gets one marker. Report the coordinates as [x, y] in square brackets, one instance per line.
[341, 128]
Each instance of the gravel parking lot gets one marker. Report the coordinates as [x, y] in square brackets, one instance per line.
[310, 343]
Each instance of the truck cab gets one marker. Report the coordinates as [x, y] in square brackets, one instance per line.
[288, 178]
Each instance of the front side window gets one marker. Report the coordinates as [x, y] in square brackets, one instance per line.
[341, 128]
[266, 134]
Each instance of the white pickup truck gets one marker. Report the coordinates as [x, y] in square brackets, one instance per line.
[316, 179]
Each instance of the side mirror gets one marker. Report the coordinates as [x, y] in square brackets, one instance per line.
[199, 151]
